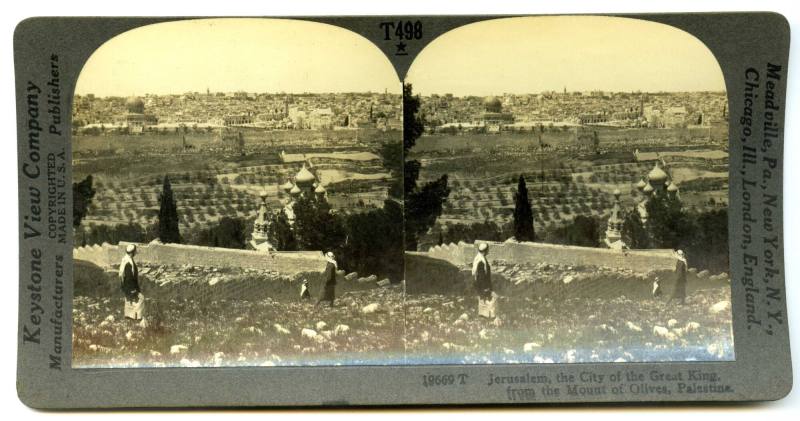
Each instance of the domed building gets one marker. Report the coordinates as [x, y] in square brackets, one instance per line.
[303, 184]
[672, 188]
[492, 105]
[135, 118]
[134, 105]
[658, 178]
[305, 179]
[658, 182]
[493, 118]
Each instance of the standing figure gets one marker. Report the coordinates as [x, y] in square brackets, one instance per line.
[482, 274]
[305, 294]
[656, 288]
[329, 279]
[679, 293]
[129, 283]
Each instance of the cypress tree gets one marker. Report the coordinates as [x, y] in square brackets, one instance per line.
[168, 230]
[82, 195]
[523, 214]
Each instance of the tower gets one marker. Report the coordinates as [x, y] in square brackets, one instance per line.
[614, 227]
[260, 237]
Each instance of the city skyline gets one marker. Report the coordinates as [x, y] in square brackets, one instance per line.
[581, 53]
[237, 54]
[213, 92]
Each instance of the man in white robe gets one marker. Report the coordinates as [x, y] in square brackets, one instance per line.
[482, 275]
[129, 284]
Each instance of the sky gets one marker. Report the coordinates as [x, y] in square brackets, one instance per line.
[581, 53]
[228, 55]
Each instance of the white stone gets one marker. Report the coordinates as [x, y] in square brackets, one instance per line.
[214, 281]
[308, 333]
[185, 362]
[632, 326]
[672, 323]
[720, 307]
[340, 330]
[177, 349]
[660, 331]
[280, 329]
[692, 326]
[567, 279]
[321, 325]
[530, 346]
[370, 308]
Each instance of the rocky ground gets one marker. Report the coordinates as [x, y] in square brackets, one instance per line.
[546, 330]
[199, 316]
[208, 317]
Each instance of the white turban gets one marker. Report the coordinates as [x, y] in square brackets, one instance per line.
[130, 249]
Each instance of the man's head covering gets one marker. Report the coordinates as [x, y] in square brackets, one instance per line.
[331, 259]
[130, 249]
[679, 253]
[480, 257]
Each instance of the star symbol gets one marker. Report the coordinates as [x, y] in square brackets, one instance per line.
[401, 49]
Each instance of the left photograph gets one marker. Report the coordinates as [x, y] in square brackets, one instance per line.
[237, 189]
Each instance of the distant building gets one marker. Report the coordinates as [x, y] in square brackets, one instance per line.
[493, 118]
[237, 119]
[135, 118]
[593, 118]
[320, 119]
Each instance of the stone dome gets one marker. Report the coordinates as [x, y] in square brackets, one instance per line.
[640, 185]
[648, 188]
[287, 186]
[492, 104]
[304, 177]
[295, 190]
[134, 105]
[319, 189]
[657, 175]
[672, 187]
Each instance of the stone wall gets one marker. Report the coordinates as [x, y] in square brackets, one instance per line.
[288, 263]
[642, 261]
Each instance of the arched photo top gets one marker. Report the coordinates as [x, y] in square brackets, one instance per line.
[579, 53]
[237, 54]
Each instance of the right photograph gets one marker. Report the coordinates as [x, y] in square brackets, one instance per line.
[566, 195]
